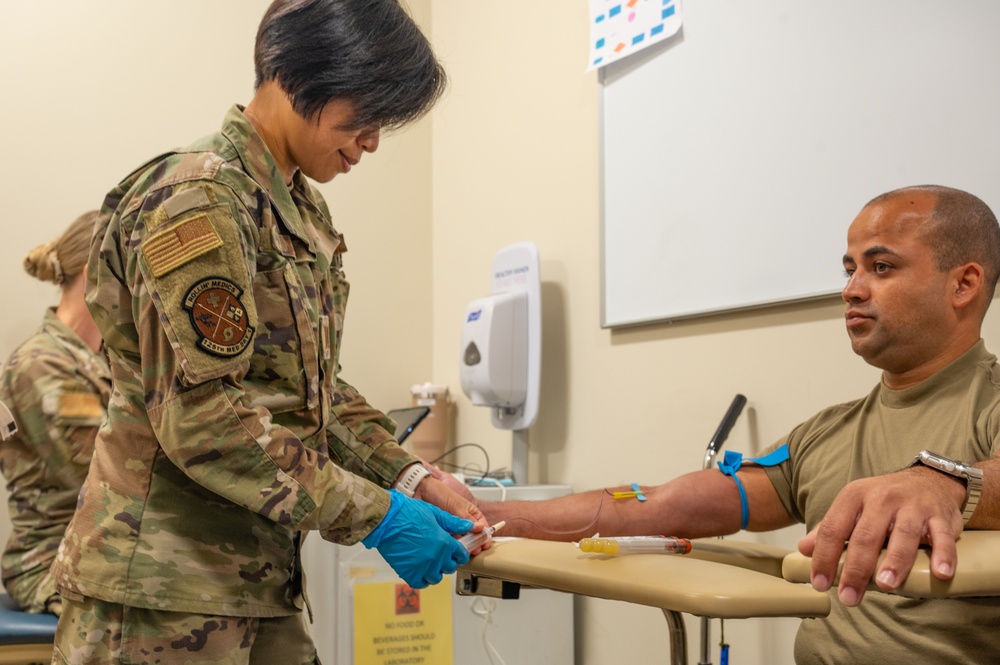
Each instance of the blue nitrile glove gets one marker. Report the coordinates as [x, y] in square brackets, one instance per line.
[415, 539]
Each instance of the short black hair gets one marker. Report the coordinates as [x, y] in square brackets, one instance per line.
[368, 52]
[961, 229]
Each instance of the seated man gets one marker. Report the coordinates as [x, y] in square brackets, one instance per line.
[921, 266]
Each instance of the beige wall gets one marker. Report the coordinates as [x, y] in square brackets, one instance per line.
[92, 90]
[515, 158]
[88, 96]
[511, 154]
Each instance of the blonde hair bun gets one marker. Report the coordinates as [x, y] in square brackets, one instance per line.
[60, 261]
[43, 263]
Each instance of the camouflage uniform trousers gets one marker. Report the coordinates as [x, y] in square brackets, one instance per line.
[94, 632]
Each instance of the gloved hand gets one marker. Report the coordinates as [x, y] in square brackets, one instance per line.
[414, 538]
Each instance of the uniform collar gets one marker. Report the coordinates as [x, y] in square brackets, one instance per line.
[55, 327]
[64, 335]
[260, 165]
[958, 369]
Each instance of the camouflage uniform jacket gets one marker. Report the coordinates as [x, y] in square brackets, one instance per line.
[57, 388]
[220, 295]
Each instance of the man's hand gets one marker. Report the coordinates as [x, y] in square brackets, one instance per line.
[451, 482]
[910, 507]
[436, 492]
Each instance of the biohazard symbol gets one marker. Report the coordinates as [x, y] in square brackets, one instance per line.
[218, 317]
[407, 600]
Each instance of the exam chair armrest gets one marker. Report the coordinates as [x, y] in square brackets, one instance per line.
[674, 582]
[767, 559]
[977, 572]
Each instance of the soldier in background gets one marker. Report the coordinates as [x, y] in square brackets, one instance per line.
[216, 279]
[57, 386]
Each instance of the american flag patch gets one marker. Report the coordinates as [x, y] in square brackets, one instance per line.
[79, 405]
[172, 248]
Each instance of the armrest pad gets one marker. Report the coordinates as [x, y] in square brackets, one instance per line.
[682, 583]
[765, 559]
[977, 572]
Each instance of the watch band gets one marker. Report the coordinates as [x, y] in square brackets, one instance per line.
[972, 476]
[412, 476]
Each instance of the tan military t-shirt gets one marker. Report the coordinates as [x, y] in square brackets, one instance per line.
[955, 413]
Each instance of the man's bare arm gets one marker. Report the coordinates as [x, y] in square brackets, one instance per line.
[698, 504]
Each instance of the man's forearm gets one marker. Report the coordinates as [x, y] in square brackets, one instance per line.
[699, 504]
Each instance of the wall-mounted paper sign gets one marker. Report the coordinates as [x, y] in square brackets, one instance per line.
[397, 625]
[622, 27]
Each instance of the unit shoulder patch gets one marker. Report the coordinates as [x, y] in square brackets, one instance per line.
[218, 316]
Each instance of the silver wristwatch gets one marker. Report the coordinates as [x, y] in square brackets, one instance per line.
[973, 478]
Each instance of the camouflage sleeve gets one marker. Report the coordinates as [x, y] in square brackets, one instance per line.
[58, 411]
[360, 438]
[188, 262]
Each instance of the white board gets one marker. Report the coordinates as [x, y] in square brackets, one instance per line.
[735, 155]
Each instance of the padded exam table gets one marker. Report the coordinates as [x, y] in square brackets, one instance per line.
[722, 579]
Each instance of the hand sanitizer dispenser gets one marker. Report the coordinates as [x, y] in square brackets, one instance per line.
[494, 368]
[502, 348]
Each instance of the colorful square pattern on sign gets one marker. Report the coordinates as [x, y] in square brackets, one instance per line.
[621, 27]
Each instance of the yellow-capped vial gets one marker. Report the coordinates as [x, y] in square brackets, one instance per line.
[599, 545]
[636, 545]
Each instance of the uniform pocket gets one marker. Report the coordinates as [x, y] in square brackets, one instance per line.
[277, 366]
[340, 290]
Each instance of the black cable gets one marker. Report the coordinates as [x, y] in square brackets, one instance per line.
[437, 461]
[452, 450]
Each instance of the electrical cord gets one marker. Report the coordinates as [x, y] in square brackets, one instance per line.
[448, 466]
[483, 608]
[494, 481]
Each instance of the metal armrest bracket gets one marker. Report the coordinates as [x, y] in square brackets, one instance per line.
[470, 584]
